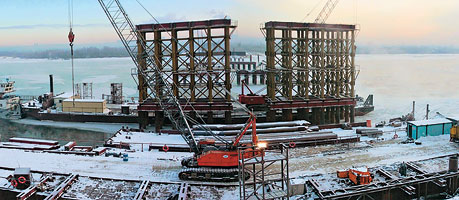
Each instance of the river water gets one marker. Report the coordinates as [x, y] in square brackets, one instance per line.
[395, 81]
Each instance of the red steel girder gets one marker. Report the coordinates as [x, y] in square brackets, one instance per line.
[311, 103]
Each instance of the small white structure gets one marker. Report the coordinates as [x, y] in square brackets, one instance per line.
[60, 98]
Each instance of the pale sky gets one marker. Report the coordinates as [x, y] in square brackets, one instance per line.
[382, 22]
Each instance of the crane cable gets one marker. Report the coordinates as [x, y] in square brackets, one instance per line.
[71, 38]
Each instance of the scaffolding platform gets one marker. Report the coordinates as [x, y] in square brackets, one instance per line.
[264, 181]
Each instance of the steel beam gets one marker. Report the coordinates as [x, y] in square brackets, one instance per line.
[142, 190]
[59, 190]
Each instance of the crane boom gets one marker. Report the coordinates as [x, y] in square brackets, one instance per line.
[129, 36]
[326, 11]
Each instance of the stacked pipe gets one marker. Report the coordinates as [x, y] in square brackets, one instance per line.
[262, 128]
[295, 132]
[285, 137]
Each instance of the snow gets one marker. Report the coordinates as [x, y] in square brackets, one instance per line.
[64, 95]
[162, 166]
[430, 122]
[454, 117]
[32, 103]
[91, 126]
[86, 188]
[138, 138]
[155, 166]
[328, 159]
[86, 100]
[360, 169]
[24, 145]
[34, 140]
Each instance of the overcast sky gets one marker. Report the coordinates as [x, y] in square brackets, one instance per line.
[382, 22]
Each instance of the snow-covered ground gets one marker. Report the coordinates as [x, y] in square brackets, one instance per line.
[327, 159]
[154, 165]
[135, 138]
[91, 126]
[164, 166]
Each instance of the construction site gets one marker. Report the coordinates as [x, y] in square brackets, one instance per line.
[310, 72]
[196, 139]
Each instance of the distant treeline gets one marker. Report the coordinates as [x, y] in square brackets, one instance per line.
[370, 49]
[87, 52]
[103, 52]
[365, 49]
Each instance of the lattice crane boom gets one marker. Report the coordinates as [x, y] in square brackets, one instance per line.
[326, 11]
[153, 75]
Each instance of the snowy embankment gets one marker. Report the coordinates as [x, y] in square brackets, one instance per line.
[162, 166]
[155, 166]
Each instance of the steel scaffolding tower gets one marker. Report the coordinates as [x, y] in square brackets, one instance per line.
[84, 90]
[311, 62]
[116, 93]
[195, 58]
[258, 176]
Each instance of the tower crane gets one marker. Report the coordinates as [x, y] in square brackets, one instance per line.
[326, 11]
[211, 161]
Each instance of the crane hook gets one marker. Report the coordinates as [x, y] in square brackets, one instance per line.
[71, 37]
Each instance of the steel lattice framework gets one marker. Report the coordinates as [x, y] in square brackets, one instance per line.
[309, 60]
[264, 181]
[197, 61]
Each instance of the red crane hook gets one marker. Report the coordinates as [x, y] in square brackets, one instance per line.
[71, 37]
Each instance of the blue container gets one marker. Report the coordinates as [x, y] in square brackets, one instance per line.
[125, 157]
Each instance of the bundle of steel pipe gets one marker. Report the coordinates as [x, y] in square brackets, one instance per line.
[284, 137]
[223, 127]
[259, 131]
[309, 140]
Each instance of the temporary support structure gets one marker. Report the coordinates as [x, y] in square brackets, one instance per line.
[311, 62]
[195, 59]
[258, 179]
[116, 92]
[84, 90]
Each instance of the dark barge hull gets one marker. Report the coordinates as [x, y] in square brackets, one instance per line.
[79, 117]
[361, 111]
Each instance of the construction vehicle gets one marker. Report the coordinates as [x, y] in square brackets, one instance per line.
[211, 161]
[218, 162]
[454, 134]
[358, 176]
[252, 100]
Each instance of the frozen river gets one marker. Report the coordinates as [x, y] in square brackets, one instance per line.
[395, 80]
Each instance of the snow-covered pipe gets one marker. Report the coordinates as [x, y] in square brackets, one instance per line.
[223, 127]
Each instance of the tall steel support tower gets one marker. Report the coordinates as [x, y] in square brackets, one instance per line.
[311, 70]
[195, 59]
